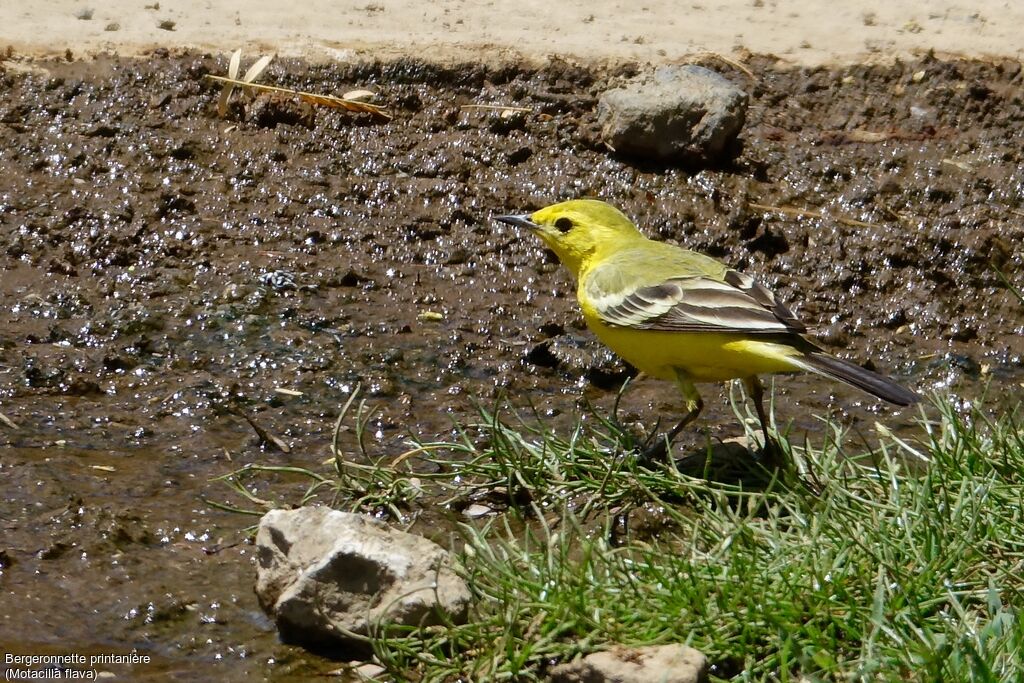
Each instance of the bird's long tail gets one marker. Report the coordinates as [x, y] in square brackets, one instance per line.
[854, 375]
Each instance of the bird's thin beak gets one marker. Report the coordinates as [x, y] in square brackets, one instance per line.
[518, 220]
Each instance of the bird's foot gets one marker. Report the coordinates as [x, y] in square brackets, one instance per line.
[655, 454]
[774, 459]
[658, 451]
[772, 456]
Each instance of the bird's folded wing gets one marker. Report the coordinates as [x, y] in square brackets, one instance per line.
[736, 303]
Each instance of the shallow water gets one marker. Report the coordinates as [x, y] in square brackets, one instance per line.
[138, 320]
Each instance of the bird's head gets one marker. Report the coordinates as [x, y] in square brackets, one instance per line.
[578, 230]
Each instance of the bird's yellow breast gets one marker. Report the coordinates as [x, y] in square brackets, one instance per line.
[704, 356]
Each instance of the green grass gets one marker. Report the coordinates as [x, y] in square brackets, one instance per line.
[857, 565]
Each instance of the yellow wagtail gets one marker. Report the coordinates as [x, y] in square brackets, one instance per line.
[682, 316]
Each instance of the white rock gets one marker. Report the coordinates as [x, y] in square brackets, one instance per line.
[322, 574]
[652, 664]
[477, 510]
[369, 671]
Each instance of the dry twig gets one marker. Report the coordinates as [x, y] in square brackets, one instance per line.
[353, 101]
[805, 213]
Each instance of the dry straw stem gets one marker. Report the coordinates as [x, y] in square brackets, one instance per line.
[498, 107]
[505, 111]
[353, 102]
[804, 213]
[701, 56]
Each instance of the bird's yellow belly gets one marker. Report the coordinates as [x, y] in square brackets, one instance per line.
[704, 356]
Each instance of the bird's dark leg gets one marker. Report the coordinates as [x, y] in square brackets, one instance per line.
[756, 391]
[658, 451]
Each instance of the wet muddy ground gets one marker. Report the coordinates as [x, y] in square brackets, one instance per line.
[165, 271]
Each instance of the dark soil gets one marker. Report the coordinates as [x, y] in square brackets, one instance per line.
[166, 271]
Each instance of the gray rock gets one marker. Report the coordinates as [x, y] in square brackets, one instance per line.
[322, 573]
[652, 664]
[680, 113]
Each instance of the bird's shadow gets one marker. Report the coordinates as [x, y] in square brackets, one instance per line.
[732, 464]
[733, 472]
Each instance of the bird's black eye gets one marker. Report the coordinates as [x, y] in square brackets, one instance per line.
[564, 224]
